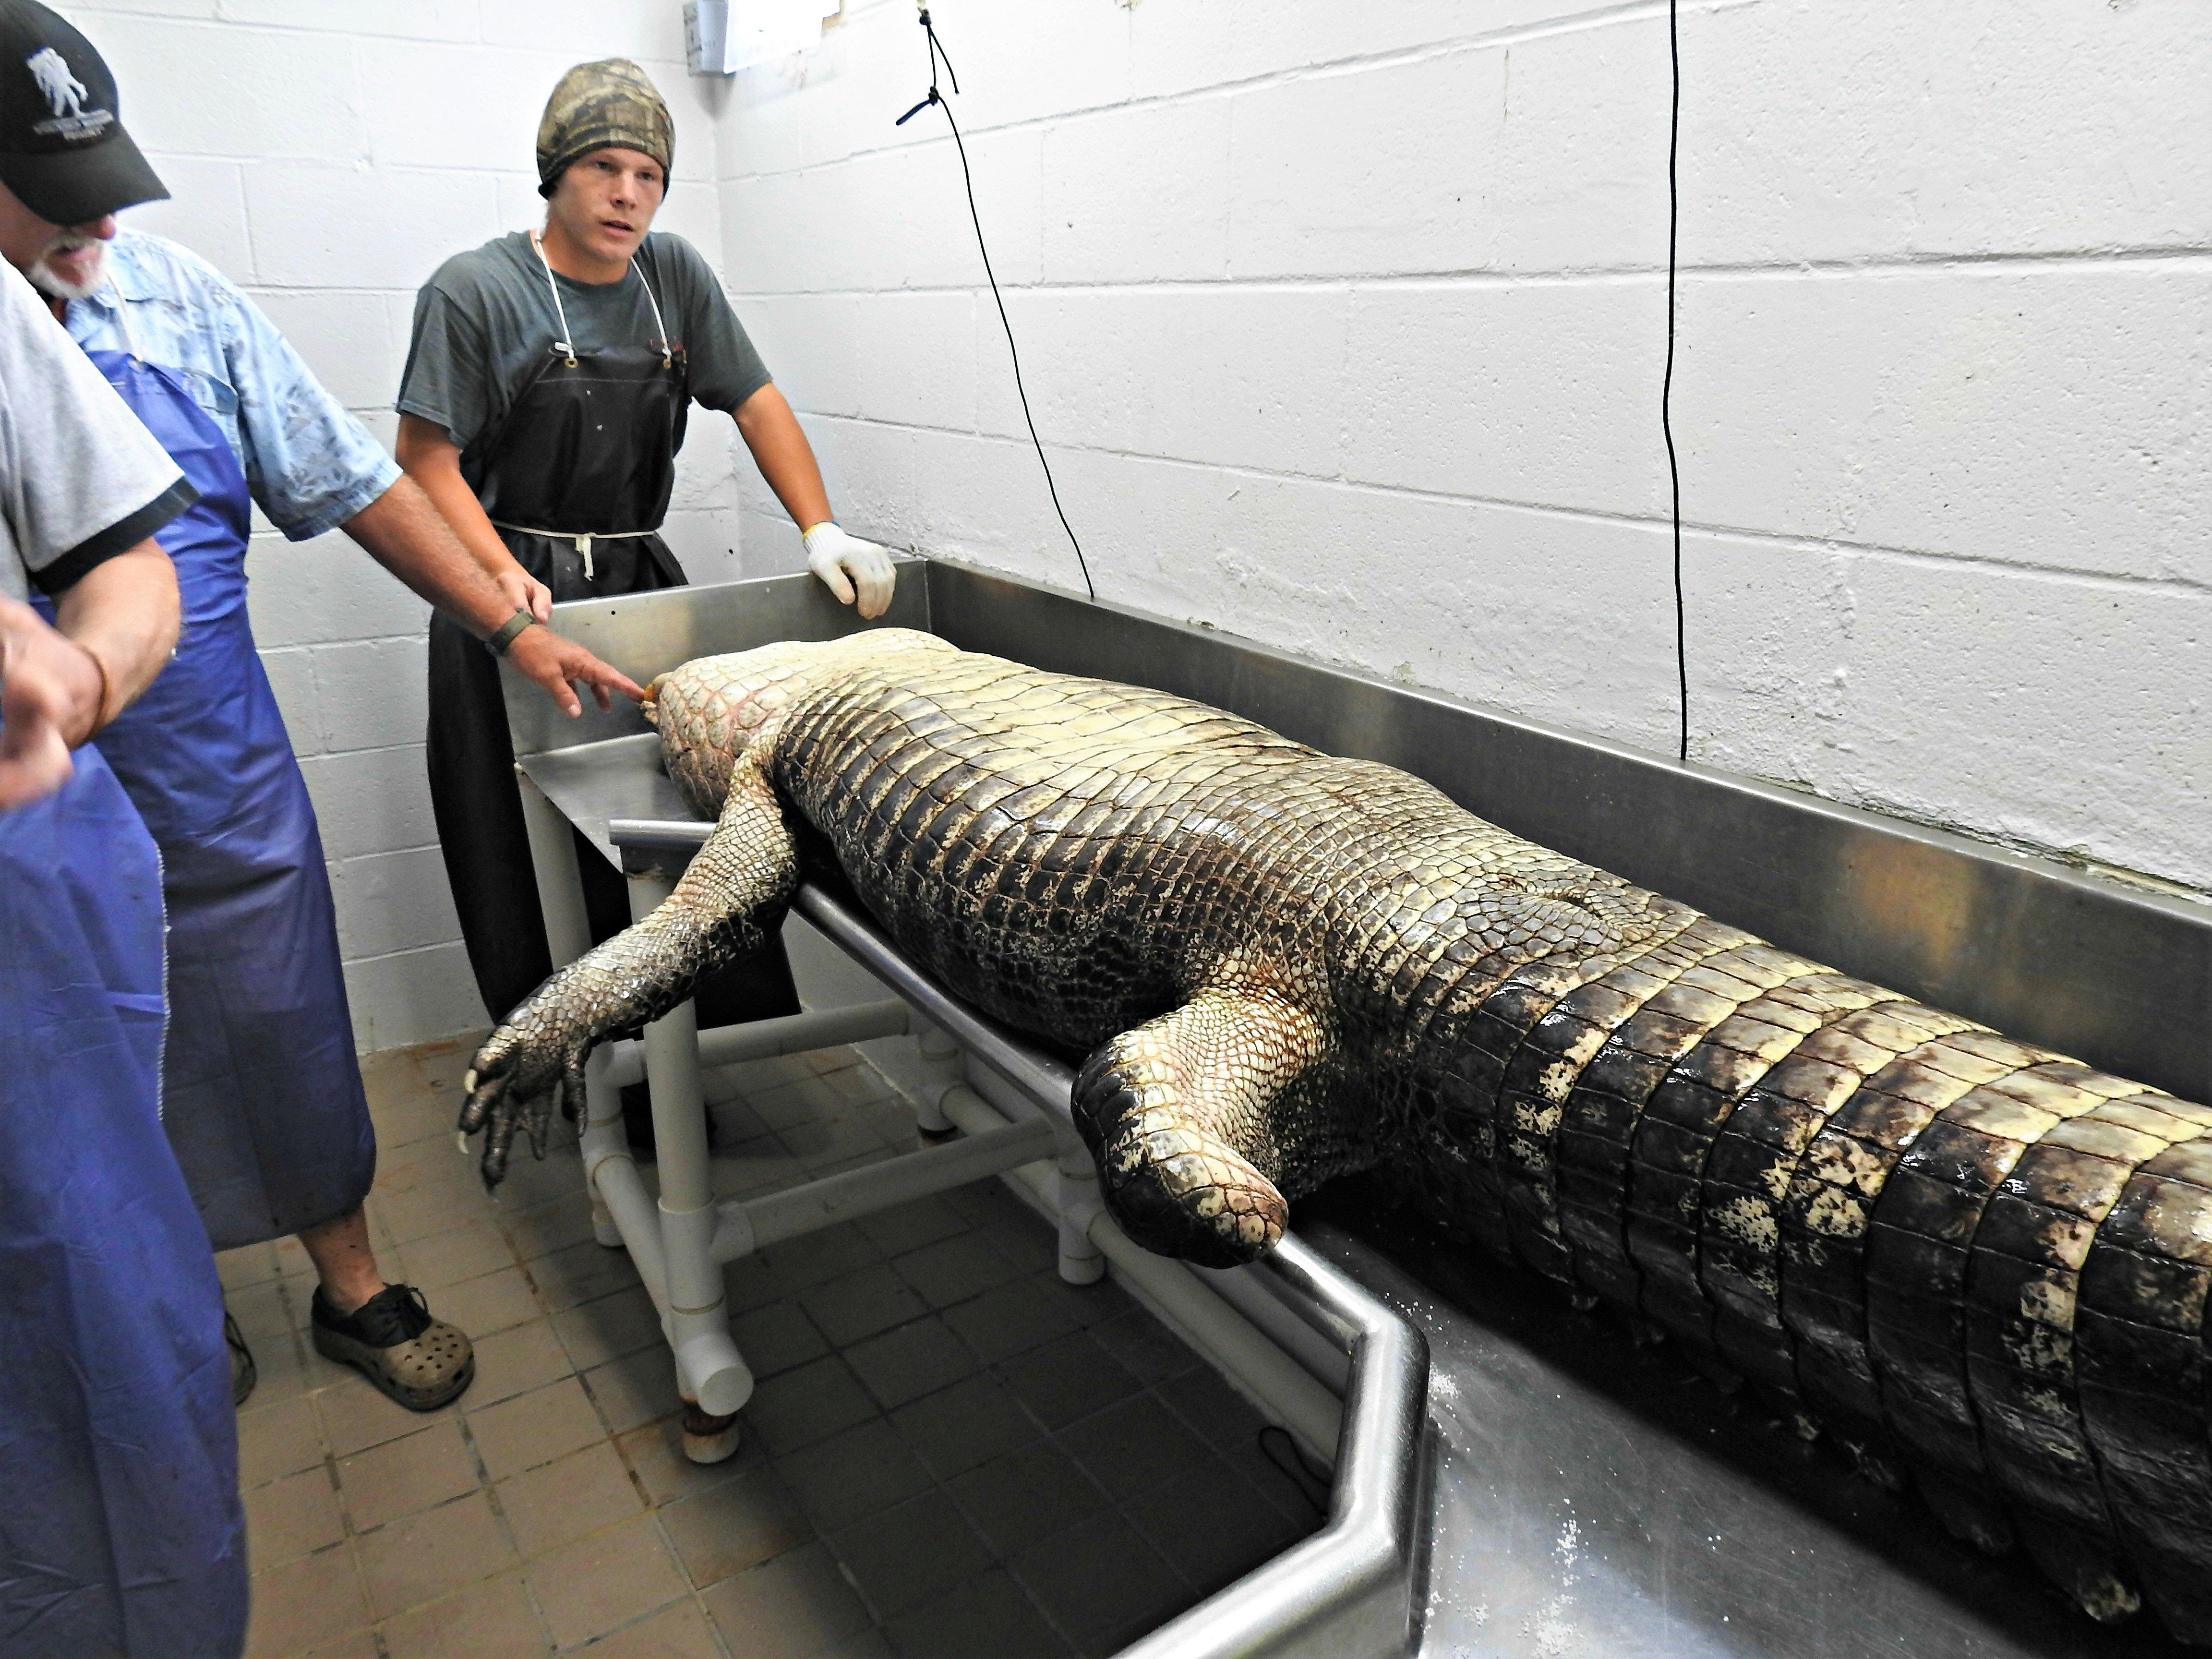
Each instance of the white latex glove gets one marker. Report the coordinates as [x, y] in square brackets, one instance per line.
[849, 567]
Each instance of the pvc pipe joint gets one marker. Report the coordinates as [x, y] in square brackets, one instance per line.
[1081, 1260]
[943, 1068]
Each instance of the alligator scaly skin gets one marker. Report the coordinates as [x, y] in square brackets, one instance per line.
[1981, 1264]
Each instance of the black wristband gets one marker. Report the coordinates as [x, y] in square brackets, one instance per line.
[504, 635]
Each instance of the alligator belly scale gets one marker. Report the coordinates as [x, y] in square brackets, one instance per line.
[1980, 1265]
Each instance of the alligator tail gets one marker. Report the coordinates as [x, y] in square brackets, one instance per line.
[1976, 1262]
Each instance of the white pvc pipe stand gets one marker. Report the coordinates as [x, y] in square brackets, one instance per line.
[668, 1241]
[709, 1372]
[680, 1243]
[944, 1067]
[764, 1039]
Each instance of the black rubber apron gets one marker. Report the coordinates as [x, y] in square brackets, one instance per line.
[578, 475]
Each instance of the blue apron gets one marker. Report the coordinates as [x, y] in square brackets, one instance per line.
[261, 1093]
[119, 1525]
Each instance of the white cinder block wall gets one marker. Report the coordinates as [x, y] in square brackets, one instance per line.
[328, 156]
[1344, 324]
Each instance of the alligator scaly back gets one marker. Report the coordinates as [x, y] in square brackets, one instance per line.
[1982, 1266]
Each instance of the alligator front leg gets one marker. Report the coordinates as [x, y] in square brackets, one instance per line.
[736, 887]
[1181, 1114]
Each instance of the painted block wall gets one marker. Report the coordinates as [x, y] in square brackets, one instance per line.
[327, 156]
[1344, 326]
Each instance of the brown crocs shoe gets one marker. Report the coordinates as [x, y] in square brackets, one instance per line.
[419, 1361]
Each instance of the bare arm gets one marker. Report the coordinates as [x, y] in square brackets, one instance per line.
[403, 531]
[859, 572]
[786, 459]
[429, 458]
[118, 624]
[124, 612]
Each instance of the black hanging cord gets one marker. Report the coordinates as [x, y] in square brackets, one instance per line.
[937, 53]
[1667, 386]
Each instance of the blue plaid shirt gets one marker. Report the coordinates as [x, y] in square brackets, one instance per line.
[310, 465]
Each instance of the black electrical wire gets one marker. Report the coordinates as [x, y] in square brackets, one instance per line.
[937, 53]
[1667, 386]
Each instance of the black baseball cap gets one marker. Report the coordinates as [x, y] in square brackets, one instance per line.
[63, 149]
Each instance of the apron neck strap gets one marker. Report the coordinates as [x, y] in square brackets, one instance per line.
[566, 343]
[658, 321]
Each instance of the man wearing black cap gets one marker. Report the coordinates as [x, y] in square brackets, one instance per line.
[544, 398]
[263, 1097]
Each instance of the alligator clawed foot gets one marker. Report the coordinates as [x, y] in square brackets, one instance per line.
[1176, 1189]
[517, 1079]
[1175, 1113]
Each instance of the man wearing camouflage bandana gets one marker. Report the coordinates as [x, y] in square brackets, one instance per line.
[543, 400]
[598, 106]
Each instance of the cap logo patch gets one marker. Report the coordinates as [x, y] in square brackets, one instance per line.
[65, 94]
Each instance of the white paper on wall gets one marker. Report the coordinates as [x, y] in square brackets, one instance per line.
[721, 37]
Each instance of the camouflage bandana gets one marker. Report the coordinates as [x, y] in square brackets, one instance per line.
[596, 105]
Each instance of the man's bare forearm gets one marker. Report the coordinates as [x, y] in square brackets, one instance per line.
[405, 533]
[429, 457]
[786, 459]
[124, 611]
[426, 535]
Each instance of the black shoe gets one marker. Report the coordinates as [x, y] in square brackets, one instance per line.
[420, 1362]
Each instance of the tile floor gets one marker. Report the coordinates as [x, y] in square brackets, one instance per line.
[949, 1452]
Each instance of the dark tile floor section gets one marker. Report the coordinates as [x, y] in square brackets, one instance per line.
[950, 1453]
[1003, 1466]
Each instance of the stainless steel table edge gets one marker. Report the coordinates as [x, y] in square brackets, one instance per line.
[648, 633]
[2034, 899]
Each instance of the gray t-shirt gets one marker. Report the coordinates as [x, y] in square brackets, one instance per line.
[484, 323]
[81, 480]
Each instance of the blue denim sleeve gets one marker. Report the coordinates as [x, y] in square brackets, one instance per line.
[310, 465]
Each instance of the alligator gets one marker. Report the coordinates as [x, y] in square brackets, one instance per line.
[1977, 1264]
